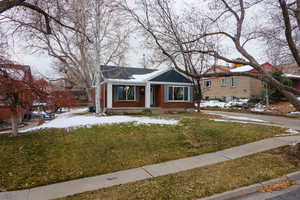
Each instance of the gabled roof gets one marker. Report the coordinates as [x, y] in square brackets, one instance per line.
[245, 68]
[171, 76]
[140, 75]
[16, 71]
[125, 73]
[291, 68]
[217, 69]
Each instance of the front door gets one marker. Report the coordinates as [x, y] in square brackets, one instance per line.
[152, 97]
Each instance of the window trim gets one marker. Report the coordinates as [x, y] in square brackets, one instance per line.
[126, 100]
[234, 80]
[225, 82]
[209, 84]
[176, 86]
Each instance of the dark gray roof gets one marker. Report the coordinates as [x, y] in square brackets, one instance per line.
[126, 73]
[114, 72]
[171, 76]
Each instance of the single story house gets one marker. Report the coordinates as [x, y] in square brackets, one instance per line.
[126, 89]
[227, 88]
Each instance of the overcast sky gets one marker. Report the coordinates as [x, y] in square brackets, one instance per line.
[41, 63]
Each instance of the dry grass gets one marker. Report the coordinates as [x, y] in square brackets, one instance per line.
[55, 155]
[201, 182]
[277, 186]
[195, 114]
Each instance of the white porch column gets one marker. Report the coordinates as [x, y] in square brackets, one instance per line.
[109, 95]
[147, 95]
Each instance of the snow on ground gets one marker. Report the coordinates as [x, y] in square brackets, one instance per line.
[69, 120]
[294, 113]
[235, 121]
[219, 104]
[241, 118]
[259, 108]
[292, 131]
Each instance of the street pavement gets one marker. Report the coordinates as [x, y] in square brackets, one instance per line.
[282, 121]
[291, 193]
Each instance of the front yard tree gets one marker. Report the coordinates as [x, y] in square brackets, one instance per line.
[193, 32]
[17, 91]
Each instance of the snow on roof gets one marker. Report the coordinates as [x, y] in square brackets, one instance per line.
[291, 75]
[245, 68]
[144, 77]
[130, 74]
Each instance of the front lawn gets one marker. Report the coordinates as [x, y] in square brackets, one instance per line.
[54, 155]
[204, 181]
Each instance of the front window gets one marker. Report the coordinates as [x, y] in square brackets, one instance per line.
[207, 83]
[233, 82]
[177, 93]
[126, 93]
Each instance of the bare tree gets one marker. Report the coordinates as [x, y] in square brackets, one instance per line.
[273, 33]
[75, 57]
[40, 7]
[226, 21]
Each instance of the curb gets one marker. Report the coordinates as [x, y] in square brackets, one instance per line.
[252, 188]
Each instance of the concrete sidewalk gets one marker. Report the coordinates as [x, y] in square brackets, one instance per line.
[125, 176]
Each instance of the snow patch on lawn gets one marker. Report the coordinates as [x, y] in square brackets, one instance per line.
[292, 131]
[219, 104]
[69, 120]
[242, 118]
[233, 121]
[259, 108]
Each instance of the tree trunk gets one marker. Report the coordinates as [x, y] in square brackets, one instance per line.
[88, 92]
[292, 99]
[14, 123]
[198, 94]
[290, 96]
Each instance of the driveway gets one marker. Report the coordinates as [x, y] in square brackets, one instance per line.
[282, 121]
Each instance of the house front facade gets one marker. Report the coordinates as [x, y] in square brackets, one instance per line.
[128, 90]
[227, 88]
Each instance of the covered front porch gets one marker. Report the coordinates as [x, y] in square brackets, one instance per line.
[140, 96]
[129, 95]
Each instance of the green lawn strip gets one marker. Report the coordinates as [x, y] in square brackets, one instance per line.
[55, 155]
[201, 182]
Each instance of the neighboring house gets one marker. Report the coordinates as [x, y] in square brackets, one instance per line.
[227, 88]
[127, 89]
[292, 72]
[78, 92]
[19, 72]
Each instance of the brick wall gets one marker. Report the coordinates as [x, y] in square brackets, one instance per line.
[159, 92]
[5, 113]
[296, 84]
